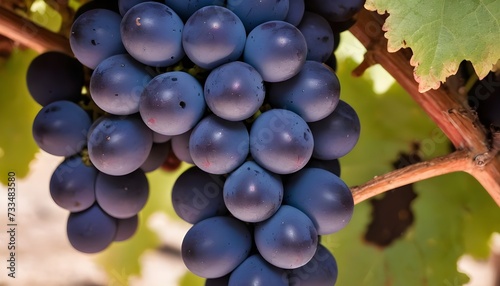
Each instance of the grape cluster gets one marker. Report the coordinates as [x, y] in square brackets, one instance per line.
[245, 91]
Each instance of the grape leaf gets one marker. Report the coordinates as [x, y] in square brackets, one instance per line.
[453, 214]
[17, 111]
[442, 33]
[190, 279]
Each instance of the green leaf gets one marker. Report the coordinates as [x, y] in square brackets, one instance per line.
[45, 16]
[189, 279]
[453, 214]
[442, 33]
[17, 111]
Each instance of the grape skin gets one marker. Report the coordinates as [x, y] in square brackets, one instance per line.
[95, 36]
[252, 194]
[172, 103]
[215, 246]
[255, 12]
[72, 185]
[313, 93]
[218, 146]
[281, 141]
[117, 83]
[318, 35]
[276, 49]
[337, 134]
[126, 228]
[234, 91]
[197, 195]
[257, 271]
[122, 196]
[288, 239]
[212, 36]
[91, 230]
[60, 128]
[119, 145]
[321, 270]
[329, 203]
[152, 34]
[63, 81]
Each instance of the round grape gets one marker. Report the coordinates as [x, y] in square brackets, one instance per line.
[91, 230]
[281, 141]
[218, 146]
[288, 239]
[276, 49]
[252, 194]
[215, 246]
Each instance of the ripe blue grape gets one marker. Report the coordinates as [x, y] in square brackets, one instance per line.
[337, 134]
[91, 230]
[335, 10]
[160, 138]
[122, 196]
[218, 146]
[313, 93]
[215, 246]
[276, 49]
[186, 8]
[172, 103]
[117, 83]
[281, 141]
[95, 36]
[60, 128]
[152, 34]
[72, 185]
[252, 194]
[322, 196]
[320, 271]
[318, 35]
[212, 36]
[125, 5]
[255, 12]
[295, 12]
[158, 154]
[111, 5]
[197, 195]
[234, 91]
[63, 81]
[180, 146]
[288, 239]
[126, 228]
[119, 145]
[257, 271]
[332, 166]
[221, 281]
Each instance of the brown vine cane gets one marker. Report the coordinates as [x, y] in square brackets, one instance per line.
[449, 110]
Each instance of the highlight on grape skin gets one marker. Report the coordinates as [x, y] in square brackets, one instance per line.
[244, 93]
[281, 141]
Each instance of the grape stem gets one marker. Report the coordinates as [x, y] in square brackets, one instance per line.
[446, 106]
[28, 34]
[454, 162]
